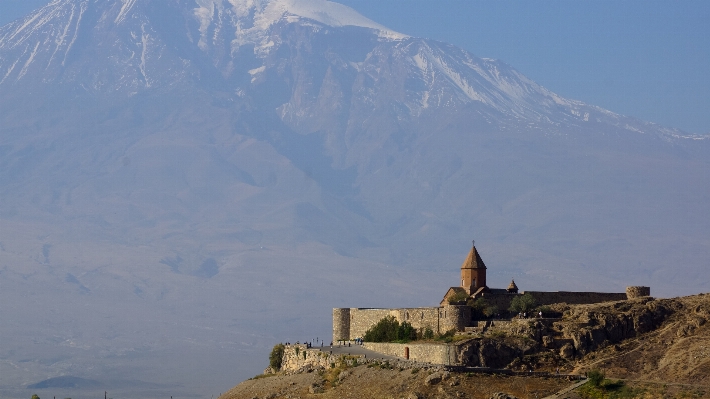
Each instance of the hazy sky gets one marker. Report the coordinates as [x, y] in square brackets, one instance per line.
[648, 59]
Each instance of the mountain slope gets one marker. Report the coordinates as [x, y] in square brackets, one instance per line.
[213, 168]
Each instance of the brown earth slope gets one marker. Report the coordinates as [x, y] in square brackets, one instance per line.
[676, 351]
[375, 382]
[661, 341]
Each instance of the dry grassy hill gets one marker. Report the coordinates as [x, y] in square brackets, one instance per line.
[660, 347]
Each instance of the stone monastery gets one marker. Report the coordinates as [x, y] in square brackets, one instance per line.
[351, 323]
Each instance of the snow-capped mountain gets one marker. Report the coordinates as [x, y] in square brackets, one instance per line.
[151, 43]
[144, 45]
[199, 172]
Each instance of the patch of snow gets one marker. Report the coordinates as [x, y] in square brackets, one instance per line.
[60, 39]
[144, 40]
[633, 128]
[204, 14]
[326, 12]
[76, 32]
[125, 8]
[9, 71]
[29, 62]
[254, 72]
[257, 70]
[253, 18]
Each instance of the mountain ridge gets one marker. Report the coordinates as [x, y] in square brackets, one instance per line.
[337, 167]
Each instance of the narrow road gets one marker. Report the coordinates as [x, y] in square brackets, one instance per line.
[355, 350]
[566, 390]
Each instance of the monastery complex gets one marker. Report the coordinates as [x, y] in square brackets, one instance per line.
[351, 323]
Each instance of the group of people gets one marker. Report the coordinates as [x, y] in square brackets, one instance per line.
[524, 315]
[342, 342]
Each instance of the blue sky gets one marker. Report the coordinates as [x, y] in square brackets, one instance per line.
[648, 59]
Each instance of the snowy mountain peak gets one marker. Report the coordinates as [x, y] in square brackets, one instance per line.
[265, 13]
[135, 35]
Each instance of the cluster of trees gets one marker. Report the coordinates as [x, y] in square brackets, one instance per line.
[522, 303]
[481, 308]
[390, 330]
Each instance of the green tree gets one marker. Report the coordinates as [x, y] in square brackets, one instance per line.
[389, 330]
[276, 356]
[428, 333]
[458, 297]
[522, 303]
[596, 377]
[481, 308]
[384, 331]
[406, 332]
[491, 310]
[35, 396]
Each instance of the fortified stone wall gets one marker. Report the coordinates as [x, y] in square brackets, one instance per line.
[362, 319]
[428, 353]
[574, 298]
[341, 324]
[637, 292]
[298, 357]
[454, 317]
[353, 323]
[501, 301]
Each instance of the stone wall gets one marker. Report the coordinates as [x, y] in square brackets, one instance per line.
[362, 319]
[353, 323]
[298, 357]
[500, 300]
[341, 324]
[637, 292]
[574, 298]
[454, 317]
[427, 353]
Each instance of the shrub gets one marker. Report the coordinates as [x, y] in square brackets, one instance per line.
[406, 332]
[276, 356]
[389, 330]
[522, 303]
[596, 377]
[481, 308]
[458, 297]
[490, 310]
[447, 336]
[428, 333]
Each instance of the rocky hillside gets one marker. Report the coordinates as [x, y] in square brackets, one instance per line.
[672, 343]
[665, 340]
[379, 382]
[171, 165]
[653, 343]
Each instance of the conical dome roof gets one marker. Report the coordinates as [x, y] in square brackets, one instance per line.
[512, 287]
[473, 260]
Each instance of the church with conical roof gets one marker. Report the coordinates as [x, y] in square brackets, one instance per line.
[473, 280]
[454, 312]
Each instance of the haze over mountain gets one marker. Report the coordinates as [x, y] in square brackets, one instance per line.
[184, 183]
